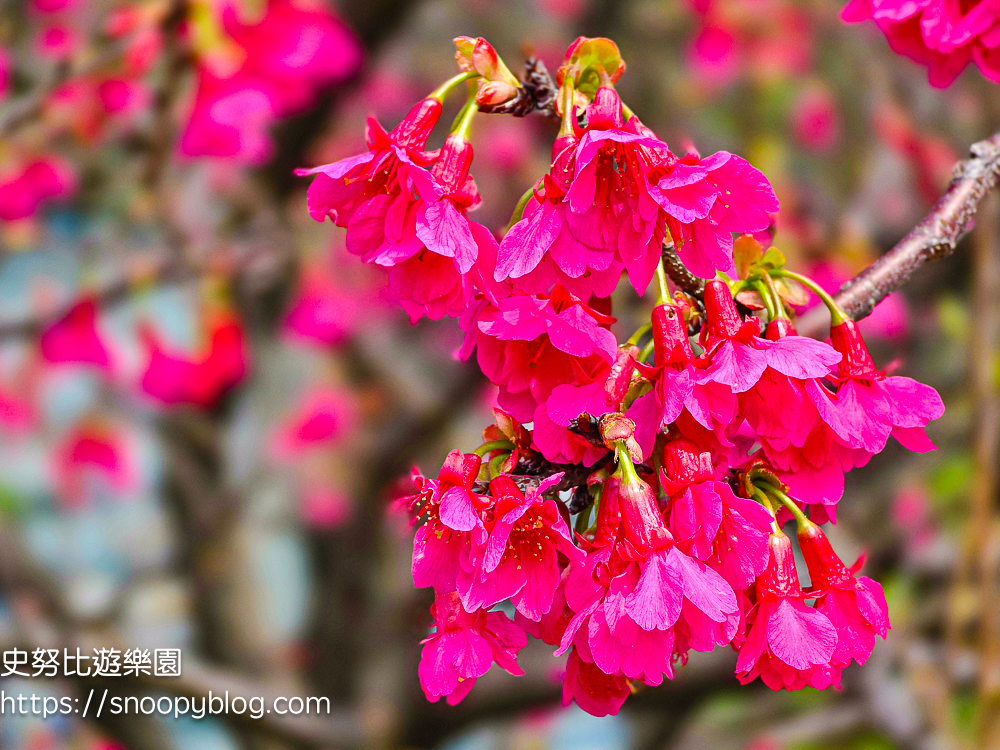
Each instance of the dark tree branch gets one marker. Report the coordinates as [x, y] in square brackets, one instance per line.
[683, 278]
[932, 239]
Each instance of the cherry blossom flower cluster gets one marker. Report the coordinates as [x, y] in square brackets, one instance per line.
[944, 35]
[628, 505]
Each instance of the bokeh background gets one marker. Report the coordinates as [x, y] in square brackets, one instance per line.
[212, 470]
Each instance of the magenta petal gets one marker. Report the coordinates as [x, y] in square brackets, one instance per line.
[523, 246]
[704, 588]
[799, 635]
[695, 517]
[444, 231]
[655, 604]
[872, 604]
[457, 511]
[801, 357]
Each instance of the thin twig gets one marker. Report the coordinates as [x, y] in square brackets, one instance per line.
[932, 239]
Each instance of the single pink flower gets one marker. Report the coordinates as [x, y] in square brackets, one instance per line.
[736, 356]
[452, 524]
[528, 544]
[597, 693]
[944, 35]
[636, 585]
[871, 406]
[463, 647]
[855, 605]
[323, 417]
[202, 379]
[790, 645]
[91, 449]
[73, 339]
[25, 189]
[706, 201]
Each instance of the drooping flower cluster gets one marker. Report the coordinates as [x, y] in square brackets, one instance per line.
[944, 35]
[629, 501]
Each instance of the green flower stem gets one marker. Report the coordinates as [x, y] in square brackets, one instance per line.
[442, 91]
[494, 445]
[837, 315]
[785, 500]
[639, 333]
[463, 120]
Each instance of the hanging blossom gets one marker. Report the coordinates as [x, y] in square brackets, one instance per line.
[252, 73]
[407, 218]
[611, 197]
[944, 35]
[628, 503]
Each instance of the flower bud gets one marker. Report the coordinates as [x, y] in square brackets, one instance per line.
[620, 376]
[493, 93]
[670, 339]
[452, 167]
[857, 361]
[414, 129]
[779, 328]
[825, 567]
[615, 428]
[642, 527]
[724, 319]
[780, 578]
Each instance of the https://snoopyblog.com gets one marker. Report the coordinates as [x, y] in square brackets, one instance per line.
[97, 702]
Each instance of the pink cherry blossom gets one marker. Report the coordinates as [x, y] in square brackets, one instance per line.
[452, 524]
[520, 559]
[288, 58]
[706, 201]
[529, 345]
[74, 339]
[941, 34]
[463, 647]
[26, 187]
[738, 357]
[323, 417]
[789, 645]
[855, 605]
[91, 449]
[198, 379]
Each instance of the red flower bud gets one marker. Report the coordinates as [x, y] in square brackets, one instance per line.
[670, 339]
[452, 168]
[642, 526]
[724, 319]
[414, 129]
[857, 361]
[780, 578]
[779, 328]
[825, 567]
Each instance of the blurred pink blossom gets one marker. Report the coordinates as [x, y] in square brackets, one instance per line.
[325, 507]
[200, 379]
[288, 58]
[26, 187]
[944, 35]
[74, 339]
[91, 449]
[816, 119]
[324, 416]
